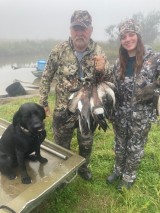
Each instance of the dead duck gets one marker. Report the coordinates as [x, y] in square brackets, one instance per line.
[94, 104]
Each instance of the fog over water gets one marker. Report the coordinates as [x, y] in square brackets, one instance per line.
[24, 73]
[10, 76]
[50, 19]
[34, 19]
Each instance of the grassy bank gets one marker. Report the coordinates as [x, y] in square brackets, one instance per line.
[98, 197]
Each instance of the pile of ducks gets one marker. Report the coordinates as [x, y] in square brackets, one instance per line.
[93, 104]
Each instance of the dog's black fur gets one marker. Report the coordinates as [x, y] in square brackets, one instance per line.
[23, 137]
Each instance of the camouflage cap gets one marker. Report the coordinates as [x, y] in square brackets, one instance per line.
[129, 26]
[81, 18]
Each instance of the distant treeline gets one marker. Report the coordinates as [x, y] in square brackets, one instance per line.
[11, 48]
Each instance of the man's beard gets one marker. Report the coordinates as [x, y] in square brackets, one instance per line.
[80, 43]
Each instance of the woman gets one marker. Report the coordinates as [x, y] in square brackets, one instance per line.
[137, 77]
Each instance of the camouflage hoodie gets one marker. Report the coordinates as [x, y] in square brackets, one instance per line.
[64, 66]
[128, 88]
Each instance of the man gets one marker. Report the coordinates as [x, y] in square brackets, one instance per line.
[69, 62]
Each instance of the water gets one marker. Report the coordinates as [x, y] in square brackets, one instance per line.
[8, 75]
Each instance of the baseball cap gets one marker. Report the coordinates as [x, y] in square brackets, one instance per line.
[81, 18]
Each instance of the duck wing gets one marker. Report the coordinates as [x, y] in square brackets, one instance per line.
[107, 97]
[84, 111]
[97, 109]
[74, 99]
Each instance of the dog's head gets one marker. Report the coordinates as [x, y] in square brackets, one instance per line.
[30, 116]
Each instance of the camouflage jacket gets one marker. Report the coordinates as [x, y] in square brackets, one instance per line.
[64, 66]
[129, 87]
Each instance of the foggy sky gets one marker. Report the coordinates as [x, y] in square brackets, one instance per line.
[44, 19]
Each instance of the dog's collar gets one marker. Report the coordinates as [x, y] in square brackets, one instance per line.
[24, 130]
[27, 132]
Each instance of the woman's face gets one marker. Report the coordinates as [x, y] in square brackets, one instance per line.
[129, 42]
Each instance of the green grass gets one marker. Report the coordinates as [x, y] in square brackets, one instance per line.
[97, 196]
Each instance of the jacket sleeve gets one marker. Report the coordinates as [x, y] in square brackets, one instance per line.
[47, 77]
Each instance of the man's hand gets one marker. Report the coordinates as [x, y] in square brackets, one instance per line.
[99, 62]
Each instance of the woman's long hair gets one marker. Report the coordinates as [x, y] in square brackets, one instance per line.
[123, 58]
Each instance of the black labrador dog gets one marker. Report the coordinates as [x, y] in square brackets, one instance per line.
[21, 139]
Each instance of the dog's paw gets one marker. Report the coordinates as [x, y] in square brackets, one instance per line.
[26, 180]
[43, 160]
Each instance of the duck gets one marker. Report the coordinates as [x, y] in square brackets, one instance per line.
[107, 96]
[93, 104]
[97, 109]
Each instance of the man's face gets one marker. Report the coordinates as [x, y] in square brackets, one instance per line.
[80, 37]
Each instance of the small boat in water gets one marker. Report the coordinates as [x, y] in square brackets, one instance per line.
[40, 68]
[37, 73]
